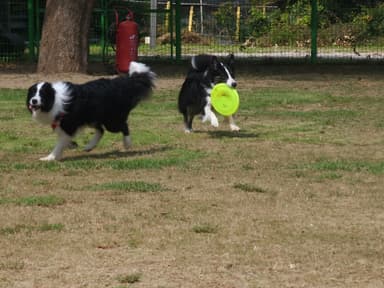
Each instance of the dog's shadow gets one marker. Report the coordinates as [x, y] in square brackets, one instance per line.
[117, 154]
[232, 134]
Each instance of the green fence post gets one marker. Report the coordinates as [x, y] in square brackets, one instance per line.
[171, 28]
[31, 31]
[103, 29]
[38, 27]
[314, 27]
[178, 30]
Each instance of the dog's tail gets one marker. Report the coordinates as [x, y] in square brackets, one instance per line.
[142, 80]
[140, 69]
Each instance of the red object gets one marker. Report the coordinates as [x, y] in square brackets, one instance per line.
[127, 42]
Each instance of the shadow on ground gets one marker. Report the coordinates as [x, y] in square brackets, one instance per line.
[118, 154]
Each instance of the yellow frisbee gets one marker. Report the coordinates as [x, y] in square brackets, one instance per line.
[225, 99]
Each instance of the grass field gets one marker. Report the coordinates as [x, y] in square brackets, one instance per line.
[295, 199]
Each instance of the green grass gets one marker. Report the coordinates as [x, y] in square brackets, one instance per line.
[12, 95]
[205, 228]
[149, 163]
[246, 187]
[279, 97]
[372, 167]
[324, 117]
[302, 115]
[283, 104]
[330, 176]
[12, 104]
[45, 227]
[273, 113]
[175, 157]
[130, 278]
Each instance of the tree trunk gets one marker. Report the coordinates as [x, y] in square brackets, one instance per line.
[64, 40]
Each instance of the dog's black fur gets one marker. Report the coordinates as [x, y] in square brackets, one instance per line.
[101, 104]
[194, 97]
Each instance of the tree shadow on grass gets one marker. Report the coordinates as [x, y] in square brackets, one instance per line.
[115, 154]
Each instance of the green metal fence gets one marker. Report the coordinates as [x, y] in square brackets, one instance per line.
[13, 29]
[254, 30]
[103, 28]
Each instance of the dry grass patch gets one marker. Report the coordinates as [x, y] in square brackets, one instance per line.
[292, 200]
[129, 186]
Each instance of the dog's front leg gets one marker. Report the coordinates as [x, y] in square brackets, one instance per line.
[232, 124]
[63, 142]
[209, 115]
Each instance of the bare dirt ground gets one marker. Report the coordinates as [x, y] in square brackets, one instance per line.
[266, 218]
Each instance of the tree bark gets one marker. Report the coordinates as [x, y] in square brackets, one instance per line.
[64, 40]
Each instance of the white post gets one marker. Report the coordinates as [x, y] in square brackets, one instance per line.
[201, 18]
[153, 24]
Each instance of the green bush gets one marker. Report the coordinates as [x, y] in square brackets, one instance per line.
[290, 25]
[256, 24]
[374, 19]
[225, 17]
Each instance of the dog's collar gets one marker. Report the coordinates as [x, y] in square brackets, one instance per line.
[57, 120]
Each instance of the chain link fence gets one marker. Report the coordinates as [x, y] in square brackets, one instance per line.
[13, 29]
[253, 30]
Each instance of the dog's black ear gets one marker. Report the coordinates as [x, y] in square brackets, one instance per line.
[215, 63]
[201, 62]
[47, 92]
[231, 59]
[31, 92]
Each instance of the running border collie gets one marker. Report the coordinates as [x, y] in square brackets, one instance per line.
[194, 97]
[101, 104]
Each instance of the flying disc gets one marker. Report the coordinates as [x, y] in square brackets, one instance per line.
[224, 99]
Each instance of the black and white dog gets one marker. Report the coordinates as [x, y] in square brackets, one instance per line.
[194, 97]
[101, 104]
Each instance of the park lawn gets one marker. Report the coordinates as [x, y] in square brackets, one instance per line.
[295, 199]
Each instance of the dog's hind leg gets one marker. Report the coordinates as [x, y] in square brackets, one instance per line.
[96, 138]
[63, 141]
[72, 145]
[126, 138]
[188, 119]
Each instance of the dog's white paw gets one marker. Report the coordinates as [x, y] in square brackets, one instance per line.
[127, 142]
[214, 121]
[50, 157]
[234, 127]
[187, 131]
